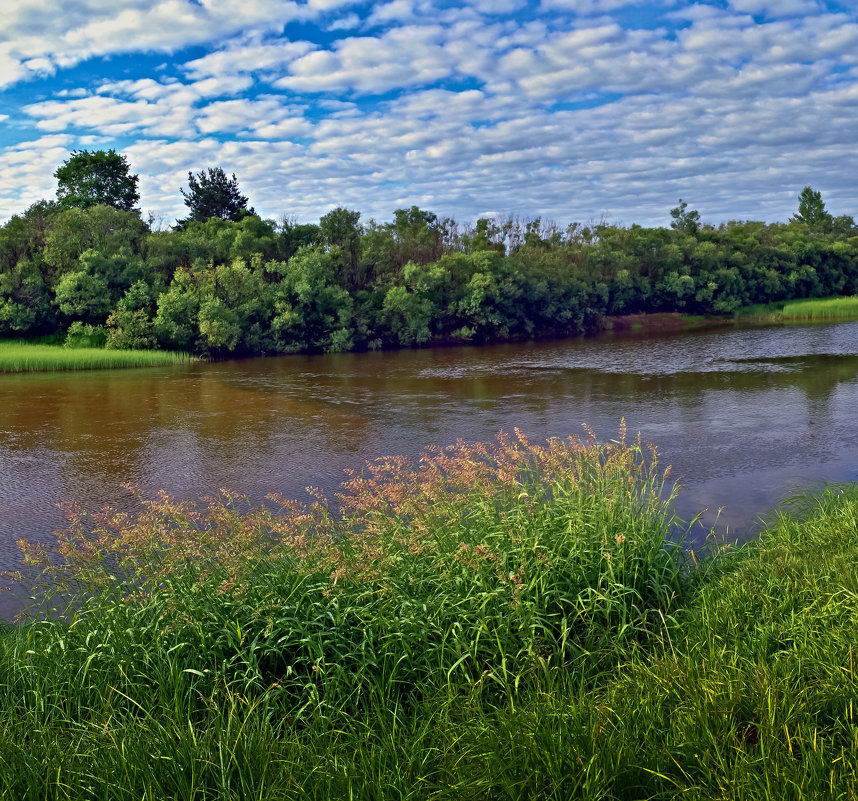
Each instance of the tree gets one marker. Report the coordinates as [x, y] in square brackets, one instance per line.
[340, 229]
[83, 296]
[212, 194]
[811, 211]
[684, 220]
[90, 178]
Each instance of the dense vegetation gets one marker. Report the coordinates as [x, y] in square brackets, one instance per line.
[507, 621]
[225, 281]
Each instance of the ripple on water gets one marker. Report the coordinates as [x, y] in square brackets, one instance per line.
[744, 415]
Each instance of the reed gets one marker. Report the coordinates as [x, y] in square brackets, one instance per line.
[503, 620]
[826, 309]
[25, 357]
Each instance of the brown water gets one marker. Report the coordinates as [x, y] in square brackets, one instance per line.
[744, 415]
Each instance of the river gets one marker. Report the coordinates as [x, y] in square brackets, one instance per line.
[744, 415]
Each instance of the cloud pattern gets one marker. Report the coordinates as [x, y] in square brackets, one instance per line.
[569, 109]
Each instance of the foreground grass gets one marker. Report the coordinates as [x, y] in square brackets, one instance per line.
[496, 622]
[25, 357]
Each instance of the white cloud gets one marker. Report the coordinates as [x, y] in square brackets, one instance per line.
[484, 111]
[776, 8]
[265, 59]
[40, 36]
[346, 23]
[406, 56]
[588, 6]
[27, 171]
[495, 7]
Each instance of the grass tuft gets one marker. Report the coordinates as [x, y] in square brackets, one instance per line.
[26, 357]
[827, 309]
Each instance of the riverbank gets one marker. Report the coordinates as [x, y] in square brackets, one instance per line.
[498, 621]
[832, 309]
[662, 321]
[812, 310]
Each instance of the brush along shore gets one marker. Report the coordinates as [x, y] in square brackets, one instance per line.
[502, 620]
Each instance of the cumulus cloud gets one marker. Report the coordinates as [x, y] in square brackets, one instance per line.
[589, 6]
[570, 114]
[260, 58]
[39, 37]
[27, 171]
[776, 8]
[405, 56]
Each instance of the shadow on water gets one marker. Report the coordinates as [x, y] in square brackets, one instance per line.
[744, 416]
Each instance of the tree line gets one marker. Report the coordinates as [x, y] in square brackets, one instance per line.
[225, 281]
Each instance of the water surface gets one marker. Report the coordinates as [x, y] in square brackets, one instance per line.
[744, 416]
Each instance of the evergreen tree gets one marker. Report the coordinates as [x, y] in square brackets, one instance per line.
[211, 193]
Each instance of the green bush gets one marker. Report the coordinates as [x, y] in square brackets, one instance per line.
[85, 335]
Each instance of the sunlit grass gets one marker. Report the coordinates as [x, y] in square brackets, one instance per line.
[25, 357]
[828, 309]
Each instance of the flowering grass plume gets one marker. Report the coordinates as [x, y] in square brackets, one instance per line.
[478, 562]
[496, 620]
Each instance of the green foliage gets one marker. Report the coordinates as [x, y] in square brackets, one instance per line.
[84, 335]
[212, 194]
[294, 236]
[221, 286]
[312, 312]
[686, 221]
[811, 211]
[91, 178]
[407, 316]
[83, 296]
[26, 305]
[102, 229]
[497, 622]
[130, 325]
[22, 238]
[339, 231]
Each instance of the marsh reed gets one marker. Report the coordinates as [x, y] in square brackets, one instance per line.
[25, 357]
[823, 309]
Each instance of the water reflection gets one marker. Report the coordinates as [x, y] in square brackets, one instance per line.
[744, 415]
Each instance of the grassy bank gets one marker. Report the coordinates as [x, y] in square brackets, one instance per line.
[834, 308]
[826, 309]
[505, 621]
[26, 357]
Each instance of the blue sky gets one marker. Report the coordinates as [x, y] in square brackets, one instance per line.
[568, 109]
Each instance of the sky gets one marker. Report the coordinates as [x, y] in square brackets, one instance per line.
[572, 110]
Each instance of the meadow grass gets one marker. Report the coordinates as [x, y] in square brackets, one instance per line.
[502, 620]
[26, 357]
[825, 309]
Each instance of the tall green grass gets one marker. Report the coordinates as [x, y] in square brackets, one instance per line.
[494, 621]
[827, 309]
[24, 357]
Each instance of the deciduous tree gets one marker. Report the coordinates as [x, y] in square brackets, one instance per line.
[91, 178]
[811, 211]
